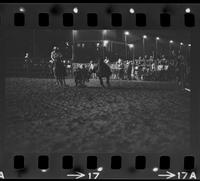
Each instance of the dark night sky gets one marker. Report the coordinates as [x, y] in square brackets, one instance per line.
[41, 41]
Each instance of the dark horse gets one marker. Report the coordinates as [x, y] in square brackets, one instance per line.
[102, 70]
[59, 72]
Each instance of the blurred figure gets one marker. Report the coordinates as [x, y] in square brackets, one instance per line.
[85, 74]
[78, 76]
[129, 70]
[91, 68]
[58, 66]
[121, 69]
[81, 75]
[27, 64]
[107, 61]
[69, 68]
[180, 71]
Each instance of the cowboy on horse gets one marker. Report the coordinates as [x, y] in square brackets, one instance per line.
[102, 70]
[58, 66]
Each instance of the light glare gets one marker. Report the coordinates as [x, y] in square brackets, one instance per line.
[155, 169]
[131, 10]
[130, 45]
[75, 10]
[105, 42]
[187, 10]
[126, 33]
[144, 36]
[21, 9]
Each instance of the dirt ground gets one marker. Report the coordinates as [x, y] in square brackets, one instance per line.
[136, 117]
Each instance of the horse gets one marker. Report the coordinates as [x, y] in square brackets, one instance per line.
[81, 75]
[59, 72]
[102, 70]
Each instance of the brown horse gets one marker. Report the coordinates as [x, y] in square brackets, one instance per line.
[102, 70]
[59, 72]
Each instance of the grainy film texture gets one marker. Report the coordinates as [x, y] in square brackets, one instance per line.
[105, 91]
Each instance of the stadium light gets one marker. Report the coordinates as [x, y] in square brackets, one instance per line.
[75, 10]
[126, 33]
[181, 43]
[187, 10]
[171, 41]
[131, 10]
[104, 32]
[105, 42]
[22, 9]
[130, 45]
[144, 36]
[189, 45]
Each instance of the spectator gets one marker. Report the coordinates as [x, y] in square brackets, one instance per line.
[129, 70]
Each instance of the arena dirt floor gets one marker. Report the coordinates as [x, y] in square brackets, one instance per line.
[131, 116]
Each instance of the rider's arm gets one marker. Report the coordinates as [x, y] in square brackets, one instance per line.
[52, 57]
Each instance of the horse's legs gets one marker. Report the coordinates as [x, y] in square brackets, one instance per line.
[61, 81]
[108, 81]
[64, 82]
[56, 77]
[57, 81]
[101, 81]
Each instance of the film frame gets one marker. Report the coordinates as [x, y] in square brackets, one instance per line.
[127, 169]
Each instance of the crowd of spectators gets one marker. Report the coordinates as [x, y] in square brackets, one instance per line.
[147, 68]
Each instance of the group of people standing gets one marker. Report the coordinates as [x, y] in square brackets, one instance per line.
[152, 69]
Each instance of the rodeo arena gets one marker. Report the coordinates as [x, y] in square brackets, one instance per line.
[88, 81]
[159, 63]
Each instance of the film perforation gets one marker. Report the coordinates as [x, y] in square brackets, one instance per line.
[67, 162]
[19, 19]
[19, 162]
[165, 162]
[68, 19]
[116, 19]
[44, 19]
[165, 19]
[92, 19]
[43, 162]
[140, 19]
[189, 19]
[140, 162]
[92, 162]
[116, 162]
[189, 162]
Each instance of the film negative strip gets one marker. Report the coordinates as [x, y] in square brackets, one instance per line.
[99, 91]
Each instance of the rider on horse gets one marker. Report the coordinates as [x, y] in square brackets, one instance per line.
[58, 66]
[103, 70]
